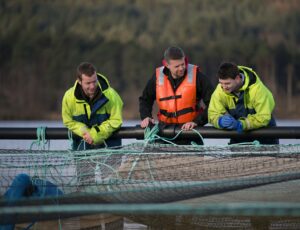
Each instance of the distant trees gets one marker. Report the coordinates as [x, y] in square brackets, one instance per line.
[41, 44]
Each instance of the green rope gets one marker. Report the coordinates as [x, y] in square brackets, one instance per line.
[82, 142]
[71, 141]
[199, 134]
[151, 135]
[105, 145]
[70, 138]
[255, 143]
[41, 141]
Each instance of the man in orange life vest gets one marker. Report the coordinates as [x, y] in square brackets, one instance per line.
[178, 88]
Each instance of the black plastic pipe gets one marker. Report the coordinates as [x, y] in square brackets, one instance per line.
[132, 132]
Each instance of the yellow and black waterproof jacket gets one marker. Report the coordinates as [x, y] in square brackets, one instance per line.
[253, 106]
[100, 119]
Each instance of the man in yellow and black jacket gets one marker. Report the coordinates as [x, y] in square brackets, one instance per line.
[241, 102]
[92, 110]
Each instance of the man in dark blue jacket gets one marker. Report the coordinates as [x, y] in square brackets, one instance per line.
[22, 187]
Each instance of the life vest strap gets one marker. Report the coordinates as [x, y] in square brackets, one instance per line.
[176, 114]
[170, 97]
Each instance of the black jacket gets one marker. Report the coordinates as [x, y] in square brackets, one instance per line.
[204, 89]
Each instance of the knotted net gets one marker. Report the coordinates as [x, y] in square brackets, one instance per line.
[193, 184]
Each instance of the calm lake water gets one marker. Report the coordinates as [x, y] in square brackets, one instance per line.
[65, 144]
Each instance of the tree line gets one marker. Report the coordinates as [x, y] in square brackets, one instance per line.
[42, 42]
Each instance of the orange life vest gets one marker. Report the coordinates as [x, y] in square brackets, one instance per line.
[180, 106]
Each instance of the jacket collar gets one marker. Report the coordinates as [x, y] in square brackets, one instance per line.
[102, 83]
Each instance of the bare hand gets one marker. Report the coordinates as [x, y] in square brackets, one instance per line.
[188, 126]
[146, 122]
[87, 138]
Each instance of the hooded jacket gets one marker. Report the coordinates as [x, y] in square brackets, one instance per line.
[253, 107]
[100, 117]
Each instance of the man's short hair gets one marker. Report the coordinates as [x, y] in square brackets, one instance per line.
[85, 68]
[228, 70]
[173, 53]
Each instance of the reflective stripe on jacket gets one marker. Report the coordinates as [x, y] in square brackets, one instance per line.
[176, 107]
[101, 120]
[253, 107]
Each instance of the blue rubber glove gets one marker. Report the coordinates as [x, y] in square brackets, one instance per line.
[227, 122]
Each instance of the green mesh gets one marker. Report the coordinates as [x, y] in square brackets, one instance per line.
[143, 181]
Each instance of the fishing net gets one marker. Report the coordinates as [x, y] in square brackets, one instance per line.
[236, 186]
